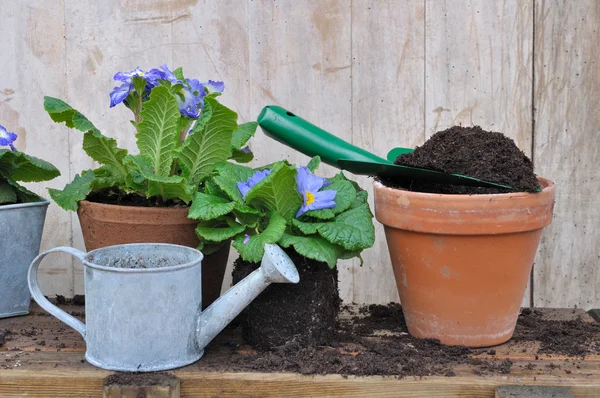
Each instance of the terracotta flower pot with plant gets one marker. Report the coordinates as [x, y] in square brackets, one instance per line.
[318, 220]
[182, 132]
[22, 216]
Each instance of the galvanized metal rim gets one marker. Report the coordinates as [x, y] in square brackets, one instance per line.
[144, 270]
[44, 202]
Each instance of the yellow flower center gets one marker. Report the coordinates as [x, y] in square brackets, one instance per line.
[310, 198]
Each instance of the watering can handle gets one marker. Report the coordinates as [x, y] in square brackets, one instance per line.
[38, 296]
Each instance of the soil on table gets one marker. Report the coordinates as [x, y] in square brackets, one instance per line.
[473, 152]
[116, 197]
[303, 313]
[357, 347]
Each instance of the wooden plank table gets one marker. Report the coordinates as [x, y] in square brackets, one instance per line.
[44, 358]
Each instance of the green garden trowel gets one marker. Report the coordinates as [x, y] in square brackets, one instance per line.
[295, 132]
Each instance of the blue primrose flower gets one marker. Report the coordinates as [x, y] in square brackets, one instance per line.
[193, 98]
[245, 186]
[308, 185]
[214, 86]
[7, 138]
[152, 78]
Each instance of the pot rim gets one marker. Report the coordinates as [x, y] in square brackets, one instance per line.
[146, 208]
[44, 202]
[547, 185]
[85, 260]
[488, 214]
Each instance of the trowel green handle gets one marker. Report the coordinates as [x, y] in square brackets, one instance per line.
[303, 136]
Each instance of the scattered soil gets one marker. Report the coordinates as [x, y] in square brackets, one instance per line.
[116, 197]
[354, 350]
[78, 299]
[572, 338]
[473, 152]
[141, 379]
[304, 313]
[3, 334]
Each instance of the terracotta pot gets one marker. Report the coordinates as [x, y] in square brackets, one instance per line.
[106, 225]
[462, 262]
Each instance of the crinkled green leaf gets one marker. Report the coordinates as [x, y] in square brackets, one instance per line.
[246, 214]
[77, 190]
[307, 228]
[167, 187]
[209, 144]
[313, 247]
[353, 229]
[208, 207]
[105, 151]
[104, 178]
[242, 134]
[228, 175]
[219, 234]
[22, 167]
[241, 156]
[61, 112]
[7, 193]
[157, 132]
[254, 249]
[360, 199]
[24, 195]
[314, 163]
[277, 191]
[322, 214]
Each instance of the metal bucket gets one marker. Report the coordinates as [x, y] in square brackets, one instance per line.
[21, 228]
[149, 319]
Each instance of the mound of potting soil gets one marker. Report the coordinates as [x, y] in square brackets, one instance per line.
[473, 152]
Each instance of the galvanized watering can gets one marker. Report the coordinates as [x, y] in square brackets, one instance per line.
[143, 303]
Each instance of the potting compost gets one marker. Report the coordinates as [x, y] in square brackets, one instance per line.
[473, 152]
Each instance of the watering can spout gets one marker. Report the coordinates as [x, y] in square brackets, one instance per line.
[276, 267]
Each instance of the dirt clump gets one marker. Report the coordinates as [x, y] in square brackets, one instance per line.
[473, 152]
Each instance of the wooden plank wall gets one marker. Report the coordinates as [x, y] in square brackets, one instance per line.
[378, 73]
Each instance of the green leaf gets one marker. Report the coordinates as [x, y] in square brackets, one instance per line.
[167, 187]
[313, 247]
[228, 175]
[209, 248]
[246, 214]
[104, 178]
[307, 228]
[7, 193]
[75, 191]
[314, 163]
[345, 193]
[240, 156]
[242, 134]
[22, 167]
[104, 150]
[277, 191]
[210, 144]
[61, 112]
[353, 229]
[157, 132]
[254, 249]
[361, 199]
[24, 195]
[208, 207]
[219, 234]
[179, 74]
[323, 214]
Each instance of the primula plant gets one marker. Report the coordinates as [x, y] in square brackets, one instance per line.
[321, 219]
[18, 166]
[182, 131]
